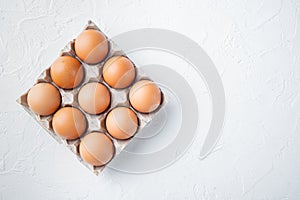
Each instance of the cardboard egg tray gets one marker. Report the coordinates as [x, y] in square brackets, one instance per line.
[119, 97]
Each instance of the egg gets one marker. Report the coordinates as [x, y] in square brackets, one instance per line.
[94, 98]
[91, 46]
[69, 123]
[145, 96]
[43, 99]
[121, 123]
[118, 72]
[67, 72]
[96, 149]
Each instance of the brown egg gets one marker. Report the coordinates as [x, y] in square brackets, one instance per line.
[96, 149]
[121, 123]
[94, 98]
[91, 46]
[118, 72]
[67, 72]
[43, 99]
[145, 96]
[69, 123]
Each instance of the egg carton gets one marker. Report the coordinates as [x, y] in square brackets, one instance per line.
[119, 97]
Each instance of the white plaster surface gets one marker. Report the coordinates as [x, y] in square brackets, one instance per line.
[255, 44]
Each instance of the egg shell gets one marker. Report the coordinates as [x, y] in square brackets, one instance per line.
[43, 99]
[145, 96]
[67, 72]
[118, 72]
[69, 123]
[91, 46]
[96, 148]
[121, 123]
[94, 98]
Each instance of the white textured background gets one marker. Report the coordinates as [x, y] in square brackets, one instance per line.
[255, 45]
